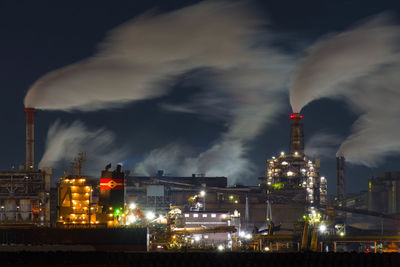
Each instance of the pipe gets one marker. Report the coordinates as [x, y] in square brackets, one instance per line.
[29, 139]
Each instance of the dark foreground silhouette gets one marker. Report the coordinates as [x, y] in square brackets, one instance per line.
[94, 258]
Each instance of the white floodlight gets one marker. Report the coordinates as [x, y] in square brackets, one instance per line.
[150, 215]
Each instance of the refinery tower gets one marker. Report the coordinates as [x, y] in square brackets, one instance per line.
[293, 179]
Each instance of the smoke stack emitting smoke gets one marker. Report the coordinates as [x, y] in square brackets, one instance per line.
[360, 66]
[141, 57]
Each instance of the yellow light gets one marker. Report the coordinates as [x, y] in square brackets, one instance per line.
[236, 201]
[231, 197]
[97, 221]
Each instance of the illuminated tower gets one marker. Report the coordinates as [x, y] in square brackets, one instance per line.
[293, 177]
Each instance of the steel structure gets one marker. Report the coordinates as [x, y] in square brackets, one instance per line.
[25, 197]
[25, 194]
[294, 178]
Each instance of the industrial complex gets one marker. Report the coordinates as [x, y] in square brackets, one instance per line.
[288, 211]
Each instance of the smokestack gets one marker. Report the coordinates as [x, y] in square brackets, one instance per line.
[29, 139]
[340, 178]
[296, 134]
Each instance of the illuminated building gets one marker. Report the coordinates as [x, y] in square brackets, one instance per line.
[294, 179]
[74, 201]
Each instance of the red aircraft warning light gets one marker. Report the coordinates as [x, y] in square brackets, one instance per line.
[296, 115]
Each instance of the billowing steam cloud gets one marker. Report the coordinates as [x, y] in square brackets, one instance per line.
[64, 142]
[248, 99]
[223, 159]
[374, 133]
[360, 66]
[322, 144]
[139, 60]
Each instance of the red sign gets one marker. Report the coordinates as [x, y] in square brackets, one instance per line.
[111, 184]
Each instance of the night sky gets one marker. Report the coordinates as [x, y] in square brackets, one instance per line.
[38, 37]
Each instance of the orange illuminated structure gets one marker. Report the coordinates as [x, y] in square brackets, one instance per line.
[74, 199]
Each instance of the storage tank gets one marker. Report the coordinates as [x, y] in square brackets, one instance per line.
[25, 209]
[10, 209]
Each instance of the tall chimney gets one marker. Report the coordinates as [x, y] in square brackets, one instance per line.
[30, 152]
[296, 134]
[340, 178]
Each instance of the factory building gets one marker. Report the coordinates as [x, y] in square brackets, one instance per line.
[212, 219]
[25, 194]
[293, 180]
[372, 206]
[384, 193]
[160, 192]
[74, 201]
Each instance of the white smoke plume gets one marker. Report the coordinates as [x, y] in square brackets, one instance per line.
[342, 58]
[361, 66]
[227, 158]
[65, 141]
[375, 133]
[322, 144]
[141, 58]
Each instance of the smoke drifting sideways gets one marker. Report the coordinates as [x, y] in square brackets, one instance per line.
[322, 145]
[248, 100]
[65, 141]
[359, 66]
[141, 58]
[226, 158]
[138, 59]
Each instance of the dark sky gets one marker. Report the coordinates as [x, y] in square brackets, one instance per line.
[38, 37]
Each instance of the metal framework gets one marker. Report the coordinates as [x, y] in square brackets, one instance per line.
[25, 197]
